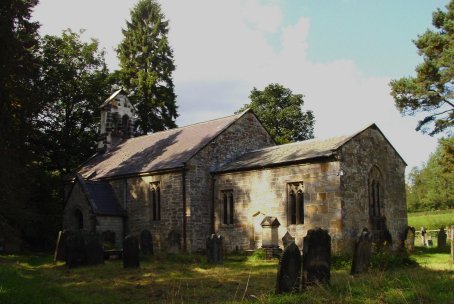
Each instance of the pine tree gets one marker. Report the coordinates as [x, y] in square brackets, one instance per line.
[146, 62]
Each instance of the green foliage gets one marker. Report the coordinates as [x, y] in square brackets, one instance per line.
[431, 91]
[388, 261]
[281, 113]
[146, 61]
[431, 219]
[432, 186]
[74, 82]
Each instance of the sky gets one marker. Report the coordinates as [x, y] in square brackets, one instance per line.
[340, 54]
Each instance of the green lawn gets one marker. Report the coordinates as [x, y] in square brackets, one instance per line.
[431, 219]
[188, 279]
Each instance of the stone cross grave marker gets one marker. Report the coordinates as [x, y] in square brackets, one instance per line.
[441, 238]
[215, 249]
[146, 242]
[362, 252]
[410, 234]
[316, 257]
[289, 271]
[173, 242]
[131, 252]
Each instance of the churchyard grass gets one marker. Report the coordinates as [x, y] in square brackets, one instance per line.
[188, 278]
[431, 219]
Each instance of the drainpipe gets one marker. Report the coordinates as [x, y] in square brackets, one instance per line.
[213, 180]
[184, 206]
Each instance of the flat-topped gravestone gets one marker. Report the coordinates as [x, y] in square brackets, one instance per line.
[215, 249]
[289, 271]
[131, 252]
[362, 252]
[146, 242]
[93, 249]
[441, 238]
[410, 234]
[287, 239]
[75, 250]
[173, 242]
[316, 257]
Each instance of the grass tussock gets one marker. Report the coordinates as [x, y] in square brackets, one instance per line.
[425, 277]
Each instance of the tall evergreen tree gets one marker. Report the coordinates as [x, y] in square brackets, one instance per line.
[19, 70]
[281, 113]
[432, 90]
[146, 62]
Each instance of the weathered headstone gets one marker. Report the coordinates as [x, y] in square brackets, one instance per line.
[108, 239]
[441, 238]
[362, 252]
[131, 252]
[287, 239]
[173, 242]
[60, 248]
[410, 234]
[75, 250]
[423, 236]
[289, 271]
[316, 257]
[146, 242]
[215, 249]
[93, 249]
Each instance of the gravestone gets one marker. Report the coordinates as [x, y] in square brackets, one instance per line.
[362, 252]
[423, 236]
[94, 253]
[146, 242]
[60, 248]
[173, 242]
[131, 252]
[316, 257]
[441, 238]
[410, 234]
[215, 249]
[289, 271]
[75, 250]
[108, 239]
[287, 239]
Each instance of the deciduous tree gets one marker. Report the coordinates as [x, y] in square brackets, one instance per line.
[146, 62]
[431, 91]
[281, 113]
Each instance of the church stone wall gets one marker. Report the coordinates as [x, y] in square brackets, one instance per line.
[244, 135]
[139, 206]
[358, 156]
[260, 193]
[111, 223]
[78, 201]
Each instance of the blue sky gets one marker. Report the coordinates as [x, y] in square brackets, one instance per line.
[340, 54]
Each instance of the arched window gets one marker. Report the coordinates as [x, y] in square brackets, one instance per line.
[79, 219]
[227, 207]
[376, 205]
[155, 198]
[295, 204]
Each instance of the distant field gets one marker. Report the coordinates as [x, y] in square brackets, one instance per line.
[431, 219]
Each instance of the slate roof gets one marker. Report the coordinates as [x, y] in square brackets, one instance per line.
[154, 152]
[290, 153]
[101, 197]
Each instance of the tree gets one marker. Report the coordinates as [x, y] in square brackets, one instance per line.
[19, 70]
[431, 91]
[74, 83]
[146, 62]
[431, 187]
[281, 113]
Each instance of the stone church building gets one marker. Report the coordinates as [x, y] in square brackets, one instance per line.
[226, 175]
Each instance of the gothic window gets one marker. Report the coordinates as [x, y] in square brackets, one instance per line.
[155, 199]
[376, 207]
[227, 207]
[295, 203]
